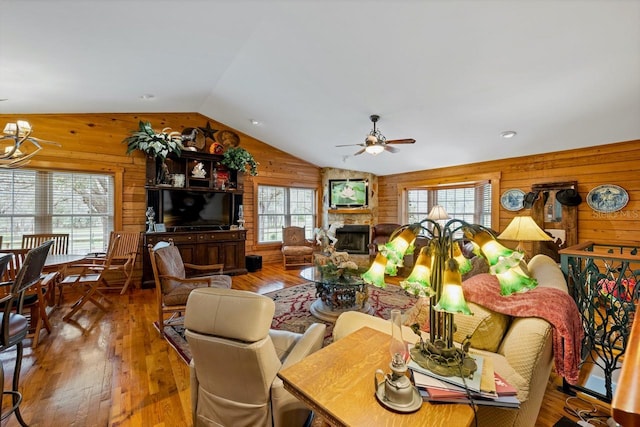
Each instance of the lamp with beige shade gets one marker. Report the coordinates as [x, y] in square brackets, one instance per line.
[524, 229]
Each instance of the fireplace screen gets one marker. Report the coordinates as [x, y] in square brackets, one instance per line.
[353, 239]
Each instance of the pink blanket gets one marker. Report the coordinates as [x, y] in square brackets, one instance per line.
[552, 305]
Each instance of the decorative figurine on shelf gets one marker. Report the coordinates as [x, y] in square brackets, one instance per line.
[151, 214]
[215, 178]
[163, 175]
[198, 171]
[241, 218]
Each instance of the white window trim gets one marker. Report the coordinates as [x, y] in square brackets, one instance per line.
[457, 180]
[278, 183]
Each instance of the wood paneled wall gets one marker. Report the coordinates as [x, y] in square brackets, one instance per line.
[94, 142]
[617, 163]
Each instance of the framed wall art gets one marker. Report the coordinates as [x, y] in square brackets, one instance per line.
[352, 193]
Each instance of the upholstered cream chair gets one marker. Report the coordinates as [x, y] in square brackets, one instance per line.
[296, 249]
[236, 358]
[172, 284]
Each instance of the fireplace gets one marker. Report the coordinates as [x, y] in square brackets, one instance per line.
[353, 239]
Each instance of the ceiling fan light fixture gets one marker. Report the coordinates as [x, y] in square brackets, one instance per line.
[374, 149]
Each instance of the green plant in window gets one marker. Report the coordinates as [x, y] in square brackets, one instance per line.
[237, 158]
[152, 143]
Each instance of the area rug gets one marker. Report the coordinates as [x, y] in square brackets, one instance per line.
[292, 312]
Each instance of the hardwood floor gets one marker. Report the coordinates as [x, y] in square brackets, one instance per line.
[112, 369]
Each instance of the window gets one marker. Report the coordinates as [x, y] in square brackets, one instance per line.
[80, 204]
[469, 202]
[283, 207]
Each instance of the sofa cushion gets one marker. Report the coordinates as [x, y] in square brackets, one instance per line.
[486, 327]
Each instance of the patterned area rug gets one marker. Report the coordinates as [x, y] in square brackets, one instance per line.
[292, 312]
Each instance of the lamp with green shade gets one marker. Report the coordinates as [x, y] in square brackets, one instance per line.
[437, 276]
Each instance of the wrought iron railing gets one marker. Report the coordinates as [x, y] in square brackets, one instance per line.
[602, 280]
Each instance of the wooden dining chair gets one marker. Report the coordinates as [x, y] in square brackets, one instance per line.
[14, 326]
[35, 297]
[60, 242]
[123, 260]
[87, 279]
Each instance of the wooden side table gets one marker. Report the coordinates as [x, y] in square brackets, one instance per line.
[336, 382]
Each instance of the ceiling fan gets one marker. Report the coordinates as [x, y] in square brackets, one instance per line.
[375, 143]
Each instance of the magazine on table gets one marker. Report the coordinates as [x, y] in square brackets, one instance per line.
[503, 388]
[443, 389]
[472, 382]
[501, 401]
[437, 391]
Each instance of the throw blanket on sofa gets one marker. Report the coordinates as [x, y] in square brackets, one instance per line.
[550, 304]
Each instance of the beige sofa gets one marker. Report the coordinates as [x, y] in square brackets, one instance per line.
[521, 348]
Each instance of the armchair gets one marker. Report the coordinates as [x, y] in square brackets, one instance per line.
[236, 358]
[172, 284]
[380, 234]
[296, 249]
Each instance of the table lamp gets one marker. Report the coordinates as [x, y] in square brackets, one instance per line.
[524, 229]
[437, 275]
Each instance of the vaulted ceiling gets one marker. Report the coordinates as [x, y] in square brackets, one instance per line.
[451, 74]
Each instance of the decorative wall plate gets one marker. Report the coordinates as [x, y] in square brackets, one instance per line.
[512, 200]
[607, 198]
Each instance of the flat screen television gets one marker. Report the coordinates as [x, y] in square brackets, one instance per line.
[196, 210]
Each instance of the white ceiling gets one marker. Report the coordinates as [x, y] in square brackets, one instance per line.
[451, 74]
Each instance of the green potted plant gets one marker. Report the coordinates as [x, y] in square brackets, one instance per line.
[237, 158]
[152, 143]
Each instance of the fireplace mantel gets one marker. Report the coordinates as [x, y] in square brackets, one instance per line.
[349, 211]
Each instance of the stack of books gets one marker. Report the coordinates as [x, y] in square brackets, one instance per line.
[485, 387]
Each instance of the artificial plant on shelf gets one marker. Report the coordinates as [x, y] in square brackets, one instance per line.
[152, 143]
[237, 158]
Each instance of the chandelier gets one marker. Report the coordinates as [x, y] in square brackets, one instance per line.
[17, 146]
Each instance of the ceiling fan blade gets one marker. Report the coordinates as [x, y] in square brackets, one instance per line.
[350, 145]
[359, 152]
[401, 141]
[391, 149]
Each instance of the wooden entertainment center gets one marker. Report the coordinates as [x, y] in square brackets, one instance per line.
[201, 241]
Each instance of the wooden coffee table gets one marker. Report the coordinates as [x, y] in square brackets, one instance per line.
[337, 383]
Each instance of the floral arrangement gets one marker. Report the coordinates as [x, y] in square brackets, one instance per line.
[152, 143]
[337, 264]
[237, 158]
[623, 291]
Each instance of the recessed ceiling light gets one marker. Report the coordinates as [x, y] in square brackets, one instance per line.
[255, 122]
[147, 96]
[508, 134]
